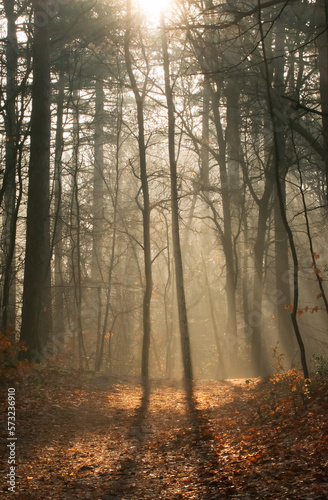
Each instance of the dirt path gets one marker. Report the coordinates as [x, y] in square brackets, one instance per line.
[93, 438]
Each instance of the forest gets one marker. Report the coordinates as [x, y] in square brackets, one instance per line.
[164, 185]
[163, 221]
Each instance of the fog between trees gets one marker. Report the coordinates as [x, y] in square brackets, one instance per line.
[164, 185]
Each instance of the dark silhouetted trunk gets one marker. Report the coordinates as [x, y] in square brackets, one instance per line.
[140, 97]
[58, 295]
[102, 332]
[11, 206]
[98, 184]
[285, 330]
[226, 236]
[37, 223]
[183, 320]
[279, 176]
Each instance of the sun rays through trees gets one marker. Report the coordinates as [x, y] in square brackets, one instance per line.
[163, 185]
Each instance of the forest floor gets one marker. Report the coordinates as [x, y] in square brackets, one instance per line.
[93, 437]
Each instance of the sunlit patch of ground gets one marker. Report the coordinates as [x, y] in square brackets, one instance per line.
[92, 437]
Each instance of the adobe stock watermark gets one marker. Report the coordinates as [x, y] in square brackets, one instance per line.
[11, 439]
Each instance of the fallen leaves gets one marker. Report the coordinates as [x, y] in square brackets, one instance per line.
[86, 437]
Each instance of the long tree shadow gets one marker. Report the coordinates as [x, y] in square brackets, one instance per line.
[126, 468]
[208, 463]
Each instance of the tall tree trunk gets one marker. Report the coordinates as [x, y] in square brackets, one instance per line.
[59, 326]
[282, 206]
[8, 313]
[76, 236]
[281, 239]
[37, 251]
[255, 320]
[285, 332]
[226, 236]
[146, 209]
[115, 197]
[98, 183]
[183, 320]
[234, 158]
[98, 226]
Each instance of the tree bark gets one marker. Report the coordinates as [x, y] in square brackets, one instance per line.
[289, 232]
[102, 334]
[59, 327]
[98, 184]
[37, 251]
[140, 98]
[255, 320]
[281, 238]
[183, 319]
[8, 313]
[76, 235]
[227, 238]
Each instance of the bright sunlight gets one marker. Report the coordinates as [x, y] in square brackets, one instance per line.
[153, 8]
